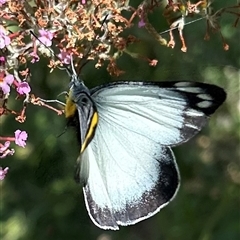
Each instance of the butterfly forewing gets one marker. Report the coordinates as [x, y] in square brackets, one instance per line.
[132, 171]
[167, 112]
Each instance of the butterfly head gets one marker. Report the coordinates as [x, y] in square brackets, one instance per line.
[78, 95]
[76, 86]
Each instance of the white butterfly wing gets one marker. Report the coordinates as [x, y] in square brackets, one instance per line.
[126, 170]
[167, 112]
[131, 171]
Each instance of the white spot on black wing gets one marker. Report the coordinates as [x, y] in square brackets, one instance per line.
[204, 104]
[214, 96]
[205, 96]
[199, 106]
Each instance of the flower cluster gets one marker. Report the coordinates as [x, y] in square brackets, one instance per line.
[79, 30]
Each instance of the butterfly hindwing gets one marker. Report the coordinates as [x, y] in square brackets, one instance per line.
[130, 185]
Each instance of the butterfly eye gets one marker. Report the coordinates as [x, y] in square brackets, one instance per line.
[84, 100]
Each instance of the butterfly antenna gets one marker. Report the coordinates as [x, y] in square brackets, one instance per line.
[72, 71]
[72, 66]
[94, 40]
[68, 70]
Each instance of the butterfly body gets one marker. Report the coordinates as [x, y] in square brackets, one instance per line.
[126, 131]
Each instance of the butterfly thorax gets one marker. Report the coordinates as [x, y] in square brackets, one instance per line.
[81, 112]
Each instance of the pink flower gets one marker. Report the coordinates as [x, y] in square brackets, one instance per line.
[2, 2]
[23, 88]
[45, 37]
[3, 172]
[4, 147]
[5, 151]
[65, 57]
[4, 39]
[20, 138]
[6, 82]
[35, 57]
[141, 23]
[2, 58]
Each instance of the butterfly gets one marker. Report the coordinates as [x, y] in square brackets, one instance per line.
[126, 130]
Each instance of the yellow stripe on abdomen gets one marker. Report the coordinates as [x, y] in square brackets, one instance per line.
[91, 131]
